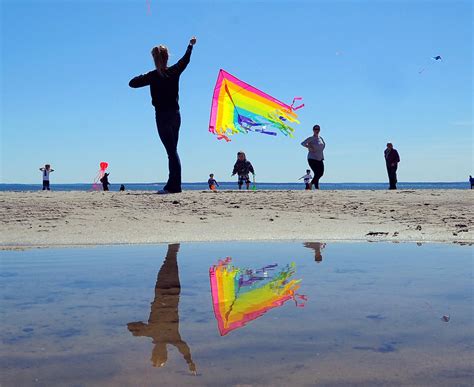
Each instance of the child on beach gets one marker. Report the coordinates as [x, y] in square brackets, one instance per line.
[243, 167]
[105, 181]
[212, 182]
[471, 181]
[307, 178]
[46, 171]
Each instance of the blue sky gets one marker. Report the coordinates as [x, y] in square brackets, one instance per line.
[65, 97]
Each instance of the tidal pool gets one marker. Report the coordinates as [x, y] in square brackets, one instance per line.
[279, 313]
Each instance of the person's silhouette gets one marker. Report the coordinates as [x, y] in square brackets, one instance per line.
[316, 246]
[163, 323]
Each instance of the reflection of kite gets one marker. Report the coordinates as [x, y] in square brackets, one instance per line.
[435, 58]
[238, 107]
[242, 295]
[103, 166]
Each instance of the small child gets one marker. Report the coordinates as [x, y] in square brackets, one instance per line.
[242, 167]
[122, 188]
[46, 170]
[212, 182]
[307, 179]
[471, 181]
[105, 181]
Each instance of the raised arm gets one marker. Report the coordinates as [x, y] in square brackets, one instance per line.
[181, 65]
[140, 81]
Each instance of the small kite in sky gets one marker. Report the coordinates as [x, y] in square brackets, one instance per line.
[238, 107]
[435, 58]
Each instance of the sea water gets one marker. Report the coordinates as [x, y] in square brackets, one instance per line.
[279, 313]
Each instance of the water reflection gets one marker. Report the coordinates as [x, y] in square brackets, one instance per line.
[317, 247]
[163, 323]
[242, 295]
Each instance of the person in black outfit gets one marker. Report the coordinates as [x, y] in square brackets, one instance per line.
[471, 181]
[164, 89]
[105, 181]
[243, 167]
[391, 160]
[163, 323]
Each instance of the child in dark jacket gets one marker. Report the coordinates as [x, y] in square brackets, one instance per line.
[242, 168]
[105, 181]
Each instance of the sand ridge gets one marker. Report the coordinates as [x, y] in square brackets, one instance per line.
[89, 218]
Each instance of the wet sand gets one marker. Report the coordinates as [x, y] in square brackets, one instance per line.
[93, 218]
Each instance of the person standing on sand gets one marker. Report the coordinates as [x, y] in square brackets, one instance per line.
[164, 89]
[315, 145]
[391, 160]
[471, 181]
[105, 181]
[46, 171]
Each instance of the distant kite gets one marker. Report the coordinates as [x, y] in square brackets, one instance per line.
[100, 174]
[436, 58]
[238, 107]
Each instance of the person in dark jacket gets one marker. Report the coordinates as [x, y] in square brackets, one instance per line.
[242, 168]
[105, 181]
[164, 89]
[391, 160]
[471, 181]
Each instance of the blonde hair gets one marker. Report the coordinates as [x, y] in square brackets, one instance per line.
[160, 57]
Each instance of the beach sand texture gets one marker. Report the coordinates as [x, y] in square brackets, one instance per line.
[43, 218]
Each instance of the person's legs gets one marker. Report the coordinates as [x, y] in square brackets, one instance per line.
[168, 124]
[318, 170]
[392, 177]
[44, 184]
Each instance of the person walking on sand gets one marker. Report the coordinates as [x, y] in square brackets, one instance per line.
[391, 160]
[105, 181]
[315, 145]
[307, 178]
[164, 89]
[243, 167]
[46, 171]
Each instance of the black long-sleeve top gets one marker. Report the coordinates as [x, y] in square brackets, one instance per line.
[164, 88]
[242, 168]
[391, 157]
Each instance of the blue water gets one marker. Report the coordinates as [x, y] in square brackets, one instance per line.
[233, 185]
[361, 314]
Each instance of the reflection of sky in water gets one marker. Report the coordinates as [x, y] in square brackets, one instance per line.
[373, 315]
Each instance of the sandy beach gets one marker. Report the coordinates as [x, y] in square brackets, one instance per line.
[41, 219]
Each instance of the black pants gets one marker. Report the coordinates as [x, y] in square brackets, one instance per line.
[46, 185]
[318, 170]
[168, 124]
[392, 177]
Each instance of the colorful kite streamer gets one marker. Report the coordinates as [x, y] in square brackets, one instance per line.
[242, 295]
[238, 107]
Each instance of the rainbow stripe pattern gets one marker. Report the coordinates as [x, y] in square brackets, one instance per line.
[238, 107]
[242, 295]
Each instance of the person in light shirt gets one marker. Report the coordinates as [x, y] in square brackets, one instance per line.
[315, 145]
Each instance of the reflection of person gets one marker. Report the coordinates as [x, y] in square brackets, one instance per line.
[315, 145]
[391, 160]
[317, 247]
[163, 323]
[46, 171]
[242, 168]
[164, 89]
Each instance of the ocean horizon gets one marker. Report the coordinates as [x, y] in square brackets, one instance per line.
[200, 186]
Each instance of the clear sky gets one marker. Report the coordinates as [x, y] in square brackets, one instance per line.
[66, 65]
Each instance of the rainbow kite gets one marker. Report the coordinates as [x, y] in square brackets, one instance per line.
[243, 295]
[238, 107]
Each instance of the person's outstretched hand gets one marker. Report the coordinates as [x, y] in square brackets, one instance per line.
[193, 40]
